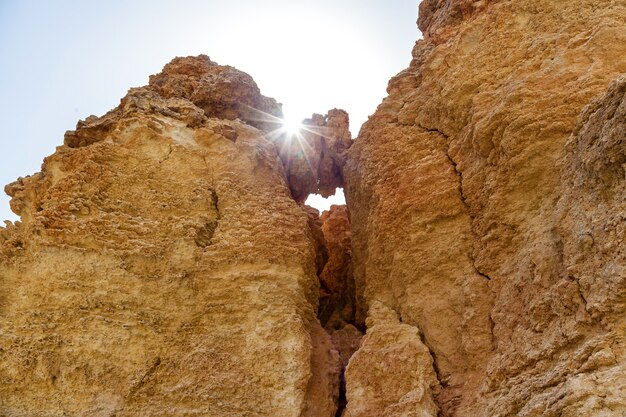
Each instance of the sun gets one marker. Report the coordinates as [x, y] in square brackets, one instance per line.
[292, 126]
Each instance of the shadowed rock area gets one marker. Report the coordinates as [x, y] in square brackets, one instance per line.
[313, 157]
[165, 263]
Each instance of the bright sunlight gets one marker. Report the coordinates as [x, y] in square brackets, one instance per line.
[310, 56]
[291, 125]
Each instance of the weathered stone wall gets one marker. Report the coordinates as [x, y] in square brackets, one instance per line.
[484, 218]
[162, 267]
[165, 264]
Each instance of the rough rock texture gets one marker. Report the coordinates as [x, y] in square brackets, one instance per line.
[392, 372]
[165, 263]
[483, 215]
[592, 224]
[162, 267]
[221, 91]
[319, 240]
[347, 340]
[337, 303]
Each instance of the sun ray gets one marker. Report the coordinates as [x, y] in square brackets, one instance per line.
[288, 133]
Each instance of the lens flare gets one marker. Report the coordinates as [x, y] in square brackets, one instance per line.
[292, 126]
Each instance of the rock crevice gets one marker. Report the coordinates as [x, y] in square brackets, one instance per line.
[165, 262]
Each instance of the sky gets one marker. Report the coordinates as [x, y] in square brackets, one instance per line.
[61, 61]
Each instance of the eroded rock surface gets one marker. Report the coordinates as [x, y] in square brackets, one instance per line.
[337, 302]
[484, 217]
[165, 263]
[220, 91]
[391, 374]
[162, 266]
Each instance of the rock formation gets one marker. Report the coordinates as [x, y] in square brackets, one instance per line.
[337, 304]
[165, 263]
[484, 217]
[162, 267]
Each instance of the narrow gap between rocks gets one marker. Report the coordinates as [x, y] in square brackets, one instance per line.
[337, 303]
[312, 159]
[323, 203]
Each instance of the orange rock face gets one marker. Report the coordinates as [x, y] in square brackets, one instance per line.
[337, 302]
[486, 203]
[165, 263]
[220, 91]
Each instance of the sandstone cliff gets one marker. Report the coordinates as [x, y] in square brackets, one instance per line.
[165, 264]
[488, 220]
[161, 265]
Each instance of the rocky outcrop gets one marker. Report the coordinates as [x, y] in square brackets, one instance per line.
[485, 219]
[220, 91]
[162, 266]
[391, 374]
[165, 263]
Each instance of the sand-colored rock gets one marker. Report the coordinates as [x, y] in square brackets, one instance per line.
[165, 263]
[392, 372]
[162, 267]
[485, 218]
[220, 91]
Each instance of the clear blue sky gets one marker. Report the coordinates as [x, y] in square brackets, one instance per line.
[62, 61]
